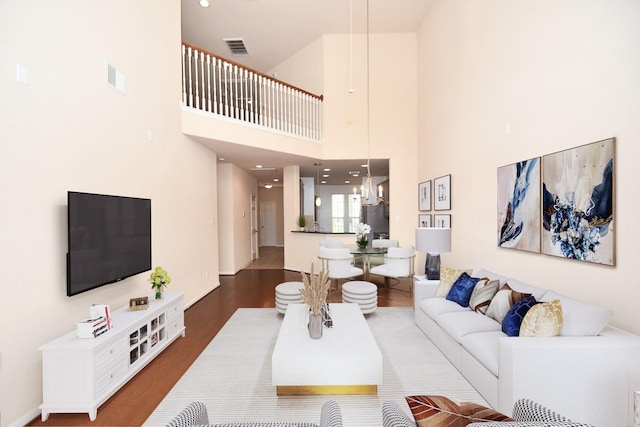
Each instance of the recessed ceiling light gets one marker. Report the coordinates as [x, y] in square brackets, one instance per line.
[268, 186]
[204, 3]
[259, 166]
[323, 182]
[327, 169]
[346, 181]
[326, 175]
[275, 180]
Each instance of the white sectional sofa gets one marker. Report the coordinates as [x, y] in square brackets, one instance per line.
[588, 373]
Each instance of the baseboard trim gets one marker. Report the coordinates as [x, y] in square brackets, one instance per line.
[27, 418]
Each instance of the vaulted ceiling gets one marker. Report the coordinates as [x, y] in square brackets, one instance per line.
[274, 30]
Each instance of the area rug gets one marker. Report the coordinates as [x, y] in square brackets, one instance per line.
[232, 376]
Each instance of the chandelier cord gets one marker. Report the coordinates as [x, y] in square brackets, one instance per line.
[350, 46]
[368, 101]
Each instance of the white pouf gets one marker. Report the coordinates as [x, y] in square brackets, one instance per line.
[365, 294]
[288, 293]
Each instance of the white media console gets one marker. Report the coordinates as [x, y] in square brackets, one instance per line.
[79, 375]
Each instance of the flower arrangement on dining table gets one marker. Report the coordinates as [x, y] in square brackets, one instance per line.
[362, 233]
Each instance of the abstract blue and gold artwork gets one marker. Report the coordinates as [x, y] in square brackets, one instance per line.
[519, 205]
[578, 203]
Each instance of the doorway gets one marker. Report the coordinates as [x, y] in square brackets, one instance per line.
[267, 223]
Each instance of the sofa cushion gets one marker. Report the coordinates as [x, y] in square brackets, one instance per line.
[460, 323]
[491, 275]
[461, 290]
[437, 411]
[482, 294]
[434, 307]
[502, 302]
[513, 319]
[543, 320]
[448, 276]
[580, 318]
[526, 288]
[484, 347]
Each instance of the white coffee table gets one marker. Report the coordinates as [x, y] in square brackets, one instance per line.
[346, 360]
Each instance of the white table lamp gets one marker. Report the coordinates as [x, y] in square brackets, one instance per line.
[433, 241]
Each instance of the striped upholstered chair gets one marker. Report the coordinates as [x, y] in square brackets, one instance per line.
[195, 414]
[526, 413]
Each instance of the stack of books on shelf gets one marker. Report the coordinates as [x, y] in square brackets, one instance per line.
[91, 328]
[97, 324]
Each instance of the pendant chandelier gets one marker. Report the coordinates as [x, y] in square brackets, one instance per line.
[369, 197]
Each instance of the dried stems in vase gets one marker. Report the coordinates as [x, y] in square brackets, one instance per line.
[316, 288]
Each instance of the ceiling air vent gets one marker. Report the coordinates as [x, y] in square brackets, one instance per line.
[237, 47]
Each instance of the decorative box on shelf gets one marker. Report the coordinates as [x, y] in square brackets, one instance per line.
[136, 304]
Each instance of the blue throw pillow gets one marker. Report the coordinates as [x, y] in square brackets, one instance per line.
[461, 290]
[513, 319]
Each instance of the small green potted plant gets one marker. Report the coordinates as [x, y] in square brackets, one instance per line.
[302, 222]
[159, 279]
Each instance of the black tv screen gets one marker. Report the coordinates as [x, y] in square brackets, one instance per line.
[109, 239]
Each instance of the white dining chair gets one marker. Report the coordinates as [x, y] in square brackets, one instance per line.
[384, 243]
[375, 260]
[398, 263]
[338, 262]
[331, 243]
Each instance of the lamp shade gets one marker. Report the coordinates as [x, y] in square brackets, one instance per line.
[433, 240]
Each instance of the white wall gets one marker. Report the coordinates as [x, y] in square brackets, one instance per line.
[67, 130]
[235, 188]
[392, 121]
[562, 74]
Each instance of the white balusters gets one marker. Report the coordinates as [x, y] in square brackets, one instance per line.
[203, 92]
[184, 76]
[209, 84]
[213, 85]
[190, 104]
[197, 81]
[218, 84]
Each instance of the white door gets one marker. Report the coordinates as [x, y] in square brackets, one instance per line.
[267, 223]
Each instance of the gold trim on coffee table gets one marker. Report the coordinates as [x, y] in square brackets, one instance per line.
[309, 390]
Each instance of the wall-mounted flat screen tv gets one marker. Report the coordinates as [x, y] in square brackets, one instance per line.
[109, 239]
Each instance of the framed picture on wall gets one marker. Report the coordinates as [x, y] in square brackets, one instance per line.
[424, 196]
[519, 205]
[442, 221]
[578, 200]
[442, 193]
[424, 220]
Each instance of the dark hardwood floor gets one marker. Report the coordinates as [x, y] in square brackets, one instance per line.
[250, 288]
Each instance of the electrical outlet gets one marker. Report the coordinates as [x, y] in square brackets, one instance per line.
[22, 74]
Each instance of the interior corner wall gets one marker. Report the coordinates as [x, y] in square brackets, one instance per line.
[225, 219]
[311, 58]
[503, 81]
[67, 129]
[380, 117]
[234, 201]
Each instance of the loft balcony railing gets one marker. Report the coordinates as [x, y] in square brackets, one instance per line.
[218, 86]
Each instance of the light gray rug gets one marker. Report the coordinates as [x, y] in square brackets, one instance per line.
[232, 376]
